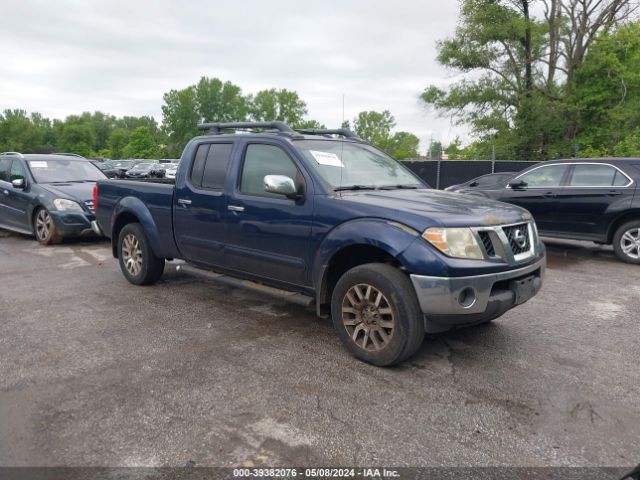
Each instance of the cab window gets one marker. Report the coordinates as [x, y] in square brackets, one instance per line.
[544, 177]
[262, 160]
[595, 175]
[210, 165]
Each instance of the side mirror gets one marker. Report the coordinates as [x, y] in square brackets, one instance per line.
[280, 185]
[18, 183]
[517, 184]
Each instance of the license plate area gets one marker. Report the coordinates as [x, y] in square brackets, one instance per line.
[524, 288]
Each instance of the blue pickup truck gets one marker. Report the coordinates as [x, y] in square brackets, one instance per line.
[320, 217]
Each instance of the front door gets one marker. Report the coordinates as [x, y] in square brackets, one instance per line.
[200, 205]
[267, 234]
[14, 202]
[539, 194]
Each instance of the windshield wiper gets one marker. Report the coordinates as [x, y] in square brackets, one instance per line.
[355, 187]
[400, 187]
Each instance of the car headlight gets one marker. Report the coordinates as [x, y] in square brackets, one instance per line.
[454, 242]
[65, 205]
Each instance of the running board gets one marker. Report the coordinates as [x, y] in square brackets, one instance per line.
[291, 297]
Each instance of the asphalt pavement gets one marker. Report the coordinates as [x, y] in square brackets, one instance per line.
[95, 371]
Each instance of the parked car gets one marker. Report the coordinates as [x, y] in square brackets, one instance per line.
[594, 199]
[146, 170]
[170, 170]
[332, 222]
[122, 166]
[107, 168]
[49, 196]
[489, 181]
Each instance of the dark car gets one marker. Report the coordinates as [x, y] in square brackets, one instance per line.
[146, 170]
[121, 167]
[592, 199]
[49, 196]
[334, 222]
[489, 181]
[107, 168]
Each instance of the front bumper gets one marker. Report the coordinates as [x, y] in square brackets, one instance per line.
[73, 224]
[451, 302]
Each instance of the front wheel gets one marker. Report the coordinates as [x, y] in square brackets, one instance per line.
[137, 261]
[44, 229]
[376, 314]
[626, 242]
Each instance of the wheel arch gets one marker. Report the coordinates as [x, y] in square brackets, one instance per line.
[132, 210]
[621, 220]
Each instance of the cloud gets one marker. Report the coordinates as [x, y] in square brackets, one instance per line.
[60, 58]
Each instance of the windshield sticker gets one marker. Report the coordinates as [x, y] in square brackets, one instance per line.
[38, 164]
[327, 158]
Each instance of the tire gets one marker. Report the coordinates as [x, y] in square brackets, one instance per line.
[138, 263]
[45, 229]
[378, 330]
[626, 242]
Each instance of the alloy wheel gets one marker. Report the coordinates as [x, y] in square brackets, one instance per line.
[132, 254]
[630, 243]
[43, 225]
[368, 317]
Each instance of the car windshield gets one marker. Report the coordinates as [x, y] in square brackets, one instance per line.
[345, 165]
[64, 170]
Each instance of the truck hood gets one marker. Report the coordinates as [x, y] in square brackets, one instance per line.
[426, 208]
[80, 192]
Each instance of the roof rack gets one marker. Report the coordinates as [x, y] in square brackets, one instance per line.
[344, 132]
[216, 128]
[17, 154]
[68, 154]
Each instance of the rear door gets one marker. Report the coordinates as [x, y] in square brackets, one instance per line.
[7, 214]
[593, 195]
[539, 194]
[268, 235]
[200, 205]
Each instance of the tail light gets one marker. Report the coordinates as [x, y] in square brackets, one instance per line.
[95, 197]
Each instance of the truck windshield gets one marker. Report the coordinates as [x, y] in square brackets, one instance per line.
[62, 170]
[345, 164]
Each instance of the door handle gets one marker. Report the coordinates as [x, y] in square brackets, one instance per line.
[550, 195]
[613, 193]
[235, 208]
[6, 192]
[184, 201]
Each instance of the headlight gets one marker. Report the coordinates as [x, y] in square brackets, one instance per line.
[454, 242]
[65, 205]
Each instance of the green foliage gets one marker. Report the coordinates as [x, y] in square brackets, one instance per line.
[374, 127]
[180, 118]
[77, 138]
[282, 105]
[141, 145]
[403, 145]
[606, 90]
[629, 146]
[220, 102]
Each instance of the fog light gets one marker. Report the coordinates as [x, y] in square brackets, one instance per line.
[467, 297]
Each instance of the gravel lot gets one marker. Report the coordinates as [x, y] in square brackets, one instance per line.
[94, 371]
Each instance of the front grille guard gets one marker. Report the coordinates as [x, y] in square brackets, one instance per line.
[499, 242]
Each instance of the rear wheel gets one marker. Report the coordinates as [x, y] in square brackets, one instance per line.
[44, 228]
[138, 263]
[626, 242]
[376, 314]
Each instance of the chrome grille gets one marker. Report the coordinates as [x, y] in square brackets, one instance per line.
[89, 205]
[487, 243]
[518, 236]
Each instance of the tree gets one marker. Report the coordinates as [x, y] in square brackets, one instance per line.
[220, 102]
[609, 110]
[403, 145]
[118, 140]
[309, 124]
[281, 105]
[77, 138]
[18, 132]
[141, 145]
[180, 118]
[374, 127]
[522, 70]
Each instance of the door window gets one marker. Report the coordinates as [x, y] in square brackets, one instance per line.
[17, 171]
[587, 175]
[5, 166]
[210, 165]
[262, 160]
[544, 177]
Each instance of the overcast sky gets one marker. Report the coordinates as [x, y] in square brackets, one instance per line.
[119, 57]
